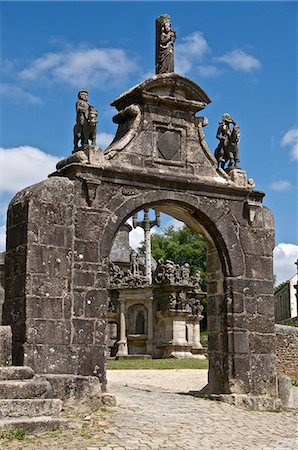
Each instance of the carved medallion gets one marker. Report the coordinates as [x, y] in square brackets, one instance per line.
[168, 145]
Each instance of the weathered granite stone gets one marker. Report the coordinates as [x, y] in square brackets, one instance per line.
[5, 346]
[56, 297]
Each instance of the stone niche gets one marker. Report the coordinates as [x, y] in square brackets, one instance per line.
[61, 231]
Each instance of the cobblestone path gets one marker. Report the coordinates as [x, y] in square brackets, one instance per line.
[155, 411]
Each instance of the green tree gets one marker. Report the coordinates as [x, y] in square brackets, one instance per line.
[181, 245]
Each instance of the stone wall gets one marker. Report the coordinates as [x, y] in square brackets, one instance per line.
[287, 351]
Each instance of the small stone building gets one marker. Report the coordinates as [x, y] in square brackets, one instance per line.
[156, 320]
[285, 300]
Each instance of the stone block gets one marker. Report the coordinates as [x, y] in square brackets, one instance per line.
[262, 343]
[263, 374]
[265, 305]
[250, 287]
[89, 224]
[216, 324]
[29, 407]
[17, 213]
[83, 279]
[79, 303]
[34, 424]
[48, 286]
[86, 251]
[237, 303]
[5, 346]
[96, 303]
[53, 235]
[83, 331]
[16, 235]
[16, 287]
[257, 241]
[100, 331]
[47, 260]
[44, 308]
[67, 307]
[216, 305]
[260, 267]
[285, 391]
[56, 332]
[25, 389]
[51, 213]
[50, 358]
[250, 305]
[217, 342]
[76, 391]
[242, 370]
[16, 373]
[240, 341]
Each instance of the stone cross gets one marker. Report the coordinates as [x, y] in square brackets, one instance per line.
[147, 224]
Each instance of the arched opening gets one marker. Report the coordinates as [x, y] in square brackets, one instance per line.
[187, 332]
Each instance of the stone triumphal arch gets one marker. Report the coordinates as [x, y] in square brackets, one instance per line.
[60, 234]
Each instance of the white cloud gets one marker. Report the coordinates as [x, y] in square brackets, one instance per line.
[239, 60]
[290, 139]
[208, 71]
[22, 166]
[136, 236]
[177, 224]
[189, 51]
[2, 238]
[83, 66]
[284, 257]
[104, 139]
[17, 93]
[280, 186]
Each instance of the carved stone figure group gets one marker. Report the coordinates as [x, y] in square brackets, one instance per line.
[86, 122]
[170, 273]
[227, 149]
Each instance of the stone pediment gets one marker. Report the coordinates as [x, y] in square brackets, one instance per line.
[168, 88]
[158, 130]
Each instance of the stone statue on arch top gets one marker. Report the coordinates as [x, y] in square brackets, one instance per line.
[86, 122]
[227, 149]
[165, 38]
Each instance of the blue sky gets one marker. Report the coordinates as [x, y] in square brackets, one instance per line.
[243, 54]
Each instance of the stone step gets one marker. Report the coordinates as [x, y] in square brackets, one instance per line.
[34, 424]
[16, 373]
[13, 408]
[26, 389]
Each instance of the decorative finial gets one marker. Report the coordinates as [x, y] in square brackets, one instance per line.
[165, 38]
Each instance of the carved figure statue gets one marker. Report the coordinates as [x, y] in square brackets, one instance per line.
[185, 271]
[227, 149]
[86, 122]
[181, 301]
[165, 38]
[134, 263]
[172, 301]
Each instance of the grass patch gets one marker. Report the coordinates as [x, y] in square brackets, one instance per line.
[157, 364]
[295, 383]
[17, 433]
